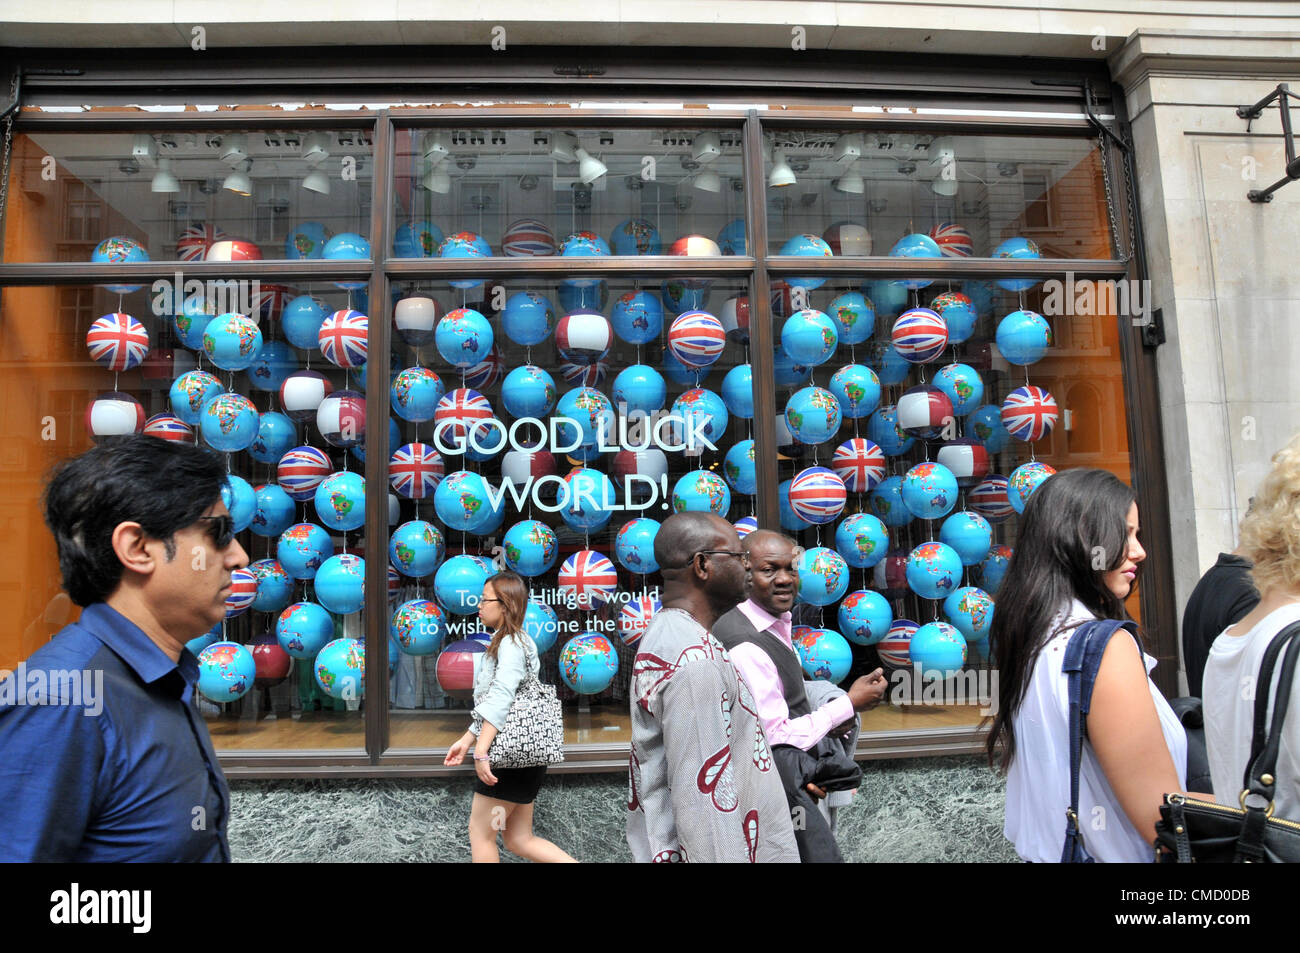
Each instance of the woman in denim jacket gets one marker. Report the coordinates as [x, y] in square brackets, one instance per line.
[503, 800]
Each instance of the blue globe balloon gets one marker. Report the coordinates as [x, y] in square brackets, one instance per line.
[528, 318]
[857, 389]
[274, 363]
[862, 540]
[938, 650]
[343, 247]
[276, 436]
[594, 296]
[417, 240]
[198, 644]
[463, 245]
[275, 510]
[640, 388]
[638, 317]
[679, 373]
[461, 502]
[865, 617]
[916, 246]
[824, 655]
[301, 320]
[809, 337]
[933, 570]
[463, 338]
[994, 567]
[891, 367]
[417, 627]
[303, 629]
[340, 583]
[740, 468]
[678, 296]
[981, 295]
[969, 534]
[528, 391]
[883, 430]
[191, 319]
[986, 426]
[732, 238]
[1022, 249]
[587, 497]
[229, 423]
[970, 610]
[232, 341]
[1023, 337]
[340, 501]
[823, 576]
[806, 246]
[962, 385]
[790, 520]
[704, 414]
[1023, 481]
[302, 548]
[813, 415]
[540, 624]
[701, 491]
[274, 585]
[416, 548]
[305, 241]
[635, 236]
[415, 393]
[889, 298]
[459, 584]
[738, 391]
[958, 313]
[530, 547]
[886, 501]
[119, 250]
[929, 491]
[588, 663]
[634, 546]
[226, 672]
[340, 669]
[583, 245]
[586, 415]
[854, 316]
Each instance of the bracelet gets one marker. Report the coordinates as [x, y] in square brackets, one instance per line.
[478, 757]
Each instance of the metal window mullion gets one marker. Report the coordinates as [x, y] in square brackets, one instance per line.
[761, 337]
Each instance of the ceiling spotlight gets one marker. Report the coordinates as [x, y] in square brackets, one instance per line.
[435, 145]
[128, 167]
[527, 183]
[689, 164]
[850, 182]
[564, 147]
[589, 168]
[234, 150]
[317, 181]
[163, 179]
[1007, 169]
[781, 174]
[634, 183]
[878, 205]
[465, 163]
[209, 187]
[706, 147]
[906, 167]
[848, 148]
[315, 148]
[707, 181]
[238, 180]
[144, 149]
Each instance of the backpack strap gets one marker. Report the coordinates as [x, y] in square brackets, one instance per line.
[1082, 661]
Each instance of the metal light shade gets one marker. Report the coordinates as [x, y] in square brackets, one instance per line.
[706, 147]
[234, 150]
[239, 182]
[589, 168]
[318, 182]
[781, 174]
[708, 182]
[315, 148]
[435, 145]
[850, 182]
[163, 179]
[436, 181]
[944, 186]
[564, 146]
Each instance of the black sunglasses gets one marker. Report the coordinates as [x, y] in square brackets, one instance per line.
[720, 552]
[221, 529]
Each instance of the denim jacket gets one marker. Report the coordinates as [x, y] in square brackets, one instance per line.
[499, 678]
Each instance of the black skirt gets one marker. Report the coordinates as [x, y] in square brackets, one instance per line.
[516, 785]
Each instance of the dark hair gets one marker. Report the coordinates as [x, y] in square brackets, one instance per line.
[1073, 523]
[163, 485]
[513, 593]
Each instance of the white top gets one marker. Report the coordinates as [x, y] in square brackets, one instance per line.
[1038, 780]
[1228, 699]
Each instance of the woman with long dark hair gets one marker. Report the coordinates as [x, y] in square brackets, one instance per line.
[1075, 560]
[503, 799]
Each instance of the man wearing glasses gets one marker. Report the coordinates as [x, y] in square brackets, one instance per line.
[702, 783]
[111, 761]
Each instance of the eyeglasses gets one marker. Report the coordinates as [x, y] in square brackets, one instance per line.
[221, 529]
[489, 600]
[721, 552]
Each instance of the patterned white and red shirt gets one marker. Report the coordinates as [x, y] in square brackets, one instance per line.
[702, 784]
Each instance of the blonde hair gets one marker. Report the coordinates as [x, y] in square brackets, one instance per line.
[1270, 532]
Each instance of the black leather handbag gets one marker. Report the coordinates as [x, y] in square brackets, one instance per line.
[1194, 831]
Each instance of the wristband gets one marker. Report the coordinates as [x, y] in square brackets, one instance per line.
[478, 757]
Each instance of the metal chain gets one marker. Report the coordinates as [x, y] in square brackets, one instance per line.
[8, 148]
[1125, 253]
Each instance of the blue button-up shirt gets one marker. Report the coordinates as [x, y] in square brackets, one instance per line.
[103, 756]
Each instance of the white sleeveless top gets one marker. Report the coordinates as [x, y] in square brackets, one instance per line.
[1038, 780]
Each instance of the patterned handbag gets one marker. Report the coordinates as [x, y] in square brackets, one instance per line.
[533, 734]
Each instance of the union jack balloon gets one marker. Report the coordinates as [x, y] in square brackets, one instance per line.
[920, 335]
[243, 590]
[584, 375]
[269, 301]
[696, 338]
[860, 463]
[989, 498]
[460, 409]
[300, 471]
[118, 341]
[195, 241]
[953, 240]
[415, 470]
[588, 579]
[1029, 413]
[634, 618]
[342, 338]
[169, 427]
[817, 495]
[487, 371]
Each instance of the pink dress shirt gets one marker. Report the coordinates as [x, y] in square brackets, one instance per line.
[756, 668]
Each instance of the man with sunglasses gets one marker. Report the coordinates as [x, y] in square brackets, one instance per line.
[147, 548]
[702, 783]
